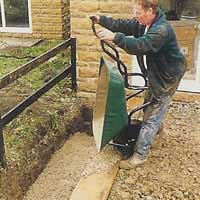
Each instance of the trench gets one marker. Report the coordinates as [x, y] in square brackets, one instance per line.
[175, 155]
[63, 171]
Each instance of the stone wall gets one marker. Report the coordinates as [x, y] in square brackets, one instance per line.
[89, 50]
[186, 31]
[50, 20]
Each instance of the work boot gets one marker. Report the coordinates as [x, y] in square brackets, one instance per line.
[124, 155]
[132, 162]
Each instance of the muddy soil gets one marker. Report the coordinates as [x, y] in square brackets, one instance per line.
[172, 170]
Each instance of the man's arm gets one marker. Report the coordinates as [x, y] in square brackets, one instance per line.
[147, 44]
[125, 26]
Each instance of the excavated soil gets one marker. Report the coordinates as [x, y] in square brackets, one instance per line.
[64, 170]
[171, 172]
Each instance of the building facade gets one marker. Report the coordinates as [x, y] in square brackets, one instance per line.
[49, 19]
[58, 19]
[89, 51]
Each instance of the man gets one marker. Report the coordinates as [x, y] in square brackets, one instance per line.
[159, 57]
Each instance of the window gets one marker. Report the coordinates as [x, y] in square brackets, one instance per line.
[172, 8]
[15, 16]
[0, 19]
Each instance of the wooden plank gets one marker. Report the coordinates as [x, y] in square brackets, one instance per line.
[95, 186]
[98, 177]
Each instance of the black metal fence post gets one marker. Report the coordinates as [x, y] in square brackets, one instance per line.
[73, 64]
[2, 148]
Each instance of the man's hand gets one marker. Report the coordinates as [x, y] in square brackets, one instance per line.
[95, 18]
[105, 34]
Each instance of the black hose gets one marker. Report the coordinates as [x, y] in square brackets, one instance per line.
[16, 57]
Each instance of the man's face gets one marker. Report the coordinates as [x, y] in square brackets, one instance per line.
[143, 16]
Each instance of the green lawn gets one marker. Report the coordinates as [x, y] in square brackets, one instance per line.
[42, 121]
[9, 64]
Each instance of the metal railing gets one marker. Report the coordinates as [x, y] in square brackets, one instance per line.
[24, 69]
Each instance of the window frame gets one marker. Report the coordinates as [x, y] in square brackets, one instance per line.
[5, 29]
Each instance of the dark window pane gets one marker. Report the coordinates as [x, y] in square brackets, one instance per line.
[16, 12]
[0, 17]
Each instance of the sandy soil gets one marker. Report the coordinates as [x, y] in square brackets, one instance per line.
[171, 172]
[64, 170]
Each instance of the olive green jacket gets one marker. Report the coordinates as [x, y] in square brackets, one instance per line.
[166, 65]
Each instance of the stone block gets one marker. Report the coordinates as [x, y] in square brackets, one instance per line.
[88, 96]
[87, 40]
[89, 85]
[88, 72]
[81, 23]
[89, 56]
[110, 7]
[85, 6]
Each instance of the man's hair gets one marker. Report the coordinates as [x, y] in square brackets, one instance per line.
[146, 4]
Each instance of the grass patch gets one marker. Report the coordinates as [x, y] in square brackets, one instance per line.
[9, 64]
[23, 129]
[29, 83]
[35, 134]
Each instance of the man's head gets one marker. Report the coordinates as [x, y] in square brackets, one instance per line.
[145, 11]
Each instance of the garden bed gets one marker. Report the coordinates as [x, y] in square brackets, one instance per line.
[42, 128]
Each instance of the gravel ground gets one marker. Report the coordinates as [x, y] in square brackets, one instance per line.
[172, 170]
